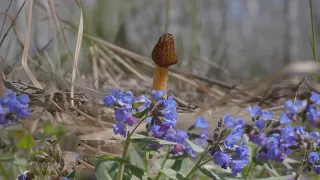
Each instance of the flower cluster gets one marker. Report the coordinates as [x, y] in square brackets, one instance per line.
[127, 109]
[313, 159]
[13, 104]
[234, 153]
[282, 139]
[160, 116]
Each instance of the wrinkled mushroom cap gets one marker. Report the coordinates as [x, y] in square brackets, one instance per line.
[163, 53]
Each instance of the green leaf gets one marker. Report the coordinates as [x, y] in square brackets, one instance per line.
[181, 165]
[172, 174]
[196, 148]
[135, 170]
[48, 129]
[270, 168]
[141, 114]
[71, 175]
[105, 170]
[278, 178]
[209, 173]
[26, 142]
[20, 162]
[138, 138]
[108, 158]
[138, 104]
[136, 158]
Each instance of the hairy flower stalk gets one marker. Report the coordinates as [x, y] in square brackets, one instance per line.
[163, 55]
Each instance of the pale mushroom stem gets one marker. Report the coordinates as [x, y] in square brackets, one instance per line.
[160, 77]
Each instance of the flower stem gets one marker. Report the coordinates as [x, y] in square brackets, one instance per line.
[121, 166]
[125, 150]
[299, 172]
[3, 172]
[251, 164]
[196, 166]
[163, 163]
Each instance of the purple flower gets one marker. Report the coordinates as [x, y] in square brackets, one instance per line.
[259, 138]
[121, 114]
[272, 143]
[201, 122]
[231, 141]
[284, 119]
[295, 108]
[300, 130]
[228, 121]
[145, 100]
[315, 97]
[312, 114]
[267, 114]
[120, 128]
[64, 178]
[156, 131]
[259, 124]
[316, 169]
[109, 101]
[242, 151]
[23, 176]
[222, 159]
[23, 99]
[313, 157]
[314, 135]
[288, 134]
[130, 120]
[262, 156]
[254, 111]
[237, 166]
[158, 95]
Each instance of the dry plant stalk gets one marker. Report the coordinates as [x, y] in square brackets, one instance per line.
[163, 55]
[76, 54]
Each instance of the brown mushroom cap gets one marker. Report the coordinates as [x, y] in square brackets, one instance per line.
[163, 53]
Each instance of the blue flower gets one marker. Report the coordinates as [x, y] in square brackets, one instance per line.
[158, 95]
[155, 129]
[254, 111]
[231, 141]
[109, 101]
[222, 159]
[295, 108]
[12, 103]
[237, 166]
[284, 118]
[165, 114]
[228, 121]
[259, 124]
[64, 178]
[242, 151]
[313, 157]
[23, 176]
[288, 134]
[233, 124]
[300, 130]
[316, 169]
[314, 135]
[315, 97]
[262, 156]
[145, 100]
[272, 143]
[120, 128]
[259, 138]
[312, 114]
[201, 122]
[121, 114]
[267, 114]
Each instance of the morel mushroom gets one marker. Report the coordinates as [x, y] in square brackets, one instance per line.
[163, 55]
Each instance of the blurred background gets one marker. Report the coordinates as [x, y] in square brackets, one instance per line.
[236, 40]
